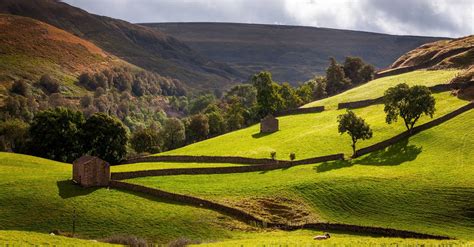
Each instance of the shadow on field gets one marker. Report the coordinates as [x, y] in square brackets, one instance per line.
[68, 189]
[260, 135]
[390, 156]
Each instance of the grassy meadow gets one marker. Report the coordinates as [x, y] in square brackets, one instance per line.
[408, 186]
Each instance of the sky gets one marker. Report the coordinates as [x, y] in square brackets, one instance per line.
[446, 18]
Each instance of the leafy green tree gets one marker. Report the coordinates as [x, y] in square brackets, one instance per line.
[13, 135]
[352, 68]
[216, 123]
[355, 126]
[234, 115]
[105, 137]
[147, 140]
[367, 73]
[408, 103]
[198, 127]
[174, 133]
[290, 98]
[246, 93]
[268, 99]
[201, 103]
[55, 134]
[335, 77]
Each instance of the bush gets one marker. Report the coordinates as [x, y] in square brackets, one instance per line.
[49, 84]
[181, 242]
[292, 156]
[126, 240]
[20, 87]
[147, 140]
[273, 155]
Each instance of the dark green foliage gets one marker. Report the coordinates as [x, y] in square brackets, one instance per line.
[201, 103]
[147, 140]
[292, 156]
[367, 73]
[268, 99]
[198, 127]
[336, 80]
[13, 135]
[352, 68]
[21, 87]
[217, 123]
[273, 155]
[104, 136]
[49, 84]
[174, 133]
[290, 98]
[246, 93]
[355, 127]
[408, 103]
[55, 134]
[234, 115]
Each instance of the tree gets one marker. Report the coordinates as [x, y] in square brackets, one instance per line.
[367, 73]
[246, 93]
[55, 134]
[408, 103]
[290, 98]
[268, 99]
[21, 88]
[13, 135]
[216, 123]
[147, 140]
[198, 127]
[234, 116]
[201, 103]
[105, 137]
[335, 78]
[352, 68]
[174, 133]
[355, 126]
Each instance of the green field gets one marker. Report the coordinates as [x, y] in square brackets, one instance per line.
[37, 195]
[376, 88]
[307, 135]
[424, 184]
[19, 238]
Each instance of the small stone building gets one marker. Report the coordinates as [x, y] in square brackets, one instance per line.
[269, 124]
[89, 171]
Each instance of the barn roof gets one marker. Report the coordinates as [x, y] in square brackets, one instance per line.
[87, 159]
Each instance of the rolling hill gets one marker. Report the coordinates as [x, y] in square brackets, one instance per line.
[43, 49]
[291, 53]
[456, 53]
[138, 45]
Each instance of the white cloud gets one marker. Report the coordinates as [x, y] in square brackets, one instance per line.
[409, 17]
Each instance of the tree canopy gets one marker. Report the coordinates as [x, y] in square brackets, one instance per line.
[355, 126]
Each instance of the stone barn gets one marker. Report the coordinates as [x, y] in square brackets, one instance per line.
[89, 171]
[269, 124]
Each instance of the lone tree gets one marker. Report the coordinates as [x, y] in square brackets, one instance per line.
[408, 103]
[355, 126]
[268, 99]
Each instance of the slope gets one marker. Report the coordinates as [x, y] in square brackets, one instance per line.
[310, 135]
[291, 53]
[456, 53]
[43, 49]
[407, 186]
[37, 195]
[136, 44]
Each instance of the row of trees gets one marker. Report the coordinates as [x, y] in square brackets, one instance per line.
[64, 135]
[408, 103]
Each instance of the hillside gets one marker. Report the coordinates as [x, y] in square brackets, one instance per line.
[142, 46]
[456, 53]
[43, 49]
[291, 53]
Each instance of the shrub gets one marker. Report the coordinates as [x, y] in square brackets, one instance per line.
[20, 87]
[292, 156]
[273, 155]
[147, 140]
[49, 84]
[126, 240]
[181, 242]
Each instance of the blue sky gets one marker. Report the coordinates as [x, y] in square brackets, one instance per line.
[451, 18]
